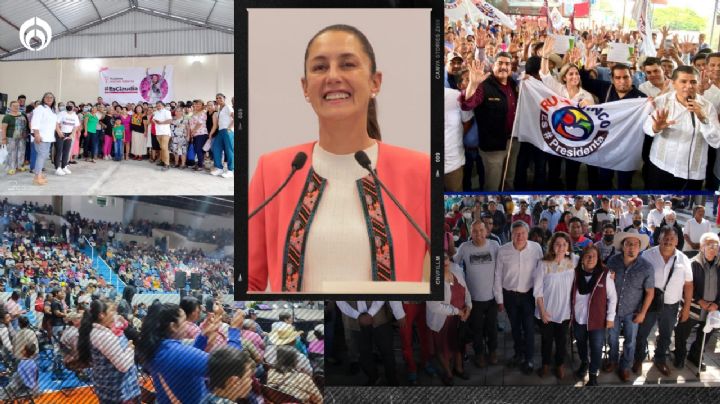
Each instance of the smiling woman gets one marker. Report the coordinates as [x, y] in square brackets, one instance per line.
[331, 226]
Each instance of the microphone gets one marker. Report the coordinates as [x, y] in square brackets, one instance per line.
[297, 163]
[362, 158]
[692, 114]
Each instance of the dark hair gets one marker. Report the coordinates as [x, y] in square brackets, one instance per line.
[287, 357]
[699, 56]
[712, 55]
[575, 219]
[564, 214]
[503, 55]
[683, 69]
[224, 363]
[532, 65]
[91, 316]
[284, 316]
[608, 225]
[189, 304]
[21, 97]
[649, 61]
[550, 254]
[23, 322]
[155, 329]
[585, 251]
[619, 66]
[667, 229]
[29, 349]
[42, 101]
[373, 127]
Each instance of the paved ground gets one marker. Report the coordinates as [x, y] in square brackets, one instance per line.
[502, 375]
[128, 177]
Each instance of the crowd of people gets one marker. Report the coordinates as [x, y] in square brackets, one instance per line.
[176, 353]
[588, 269]
[484, 65]
[185, 130]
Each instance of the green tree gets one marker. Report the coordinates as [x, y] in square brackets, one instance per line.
[678, 18]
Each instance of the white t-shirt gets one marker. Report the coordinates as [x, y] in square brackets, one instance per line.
[553, 282]
[162, 115]
[454, 118]
[655, 218]
[681, 274]
[45, 121]
[224, 120]
[694, 230]
[68, 121]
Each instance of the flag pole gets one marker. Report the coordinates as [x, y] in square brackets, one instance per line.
[507, 163]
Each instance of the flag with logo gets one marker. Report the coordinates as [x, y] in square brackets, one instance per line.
[642, 14]
[556, 18]
[606, 135]
[495, 15]
[456, 10]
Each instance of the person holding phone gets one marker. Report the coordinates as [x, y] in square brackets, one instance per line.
[332, 214]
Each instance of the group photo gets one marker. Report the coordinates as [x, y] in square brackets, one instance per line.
[581, 97]
[90, 118]
[581, 290]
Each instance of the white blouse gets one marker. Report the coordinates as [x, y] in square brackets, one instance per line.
[338, 246]
[553, 282]
[557, 87]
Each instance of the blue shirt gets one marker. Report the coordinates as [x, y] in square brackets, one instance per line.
[27, 369]
[631, 283]
[184, 368]
[553, 218]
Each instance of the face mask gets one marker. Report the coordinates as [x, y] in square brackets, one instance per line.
[467, 215]
[637, 222]
[609, 238]
[69, 108]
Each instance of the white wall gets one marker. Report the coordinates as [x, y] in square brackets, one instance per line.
[142, 211]
[18, 200]
[88, 208]
[200, 76]
[203, 221]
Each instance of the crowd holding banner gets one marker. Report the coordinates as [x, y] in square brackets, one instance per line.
[620, 102]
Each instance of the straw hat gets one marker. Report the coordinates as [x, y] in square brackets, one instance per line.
[319, 329]
[632, 233]
[283, 334]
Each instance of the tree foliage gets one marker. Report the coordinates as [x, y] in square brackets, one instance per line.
[678, 18]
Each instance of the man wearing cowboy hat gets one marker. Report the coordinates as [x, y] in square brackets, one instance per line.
[285, 334]
[674, 277]
[633, 276]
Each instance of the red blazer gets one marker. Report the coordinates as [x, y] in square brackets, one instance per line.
[404, 172]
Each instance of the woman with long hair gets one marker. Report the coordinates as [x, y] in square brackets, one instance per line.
[112, 357]
[296, 244]
[553, 278]
[284, 377]
[137, 127]
[593, 310]
[179, 370]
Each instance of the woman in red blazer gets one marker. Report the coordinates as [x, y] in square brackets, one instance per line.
[332, 223]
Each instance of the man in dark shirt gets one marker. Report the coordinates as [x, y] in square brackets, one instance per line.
[57, 320]
[621, 88]
[493, 98]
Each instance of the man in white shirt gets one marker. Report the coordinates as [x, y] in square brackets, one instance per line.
[682, 126]
[578, 210]
[457, 122]
[370, 322]
[673, 276]
[656, 83]
[222, 141]
[162, 119]
[626, 219]
[693, 229]
[656, 216]
[478, 257]
[515, 264]
[68, 124]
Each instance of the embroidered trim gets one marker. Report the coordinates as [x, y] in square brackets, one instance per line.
[296, 239]
[381, 246]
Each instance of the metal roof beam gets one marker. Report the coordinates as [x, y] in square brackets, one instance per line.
[188, 21]
[52, 14]
[96, 9]
[211, 11]
[68, 32]
[3, 19]
[170, 7]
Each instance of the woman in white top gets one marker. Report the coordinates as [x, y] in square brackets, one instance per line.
[43, 125]
[68, 124]
[444, 319]
[553, 277]
[570, 87]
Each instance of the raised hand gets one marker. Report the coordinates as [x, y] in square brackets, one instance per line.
[480, 38]
[665, 31]
[477, 73]
[660, 120]
[547, 48]
[591, 60]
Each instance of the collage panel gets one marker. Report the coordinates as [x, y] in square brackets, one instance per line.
[117, 98]
[348, 184]
[551, 290]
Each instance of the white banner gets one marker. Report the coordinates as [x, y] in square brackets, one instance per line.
[494, 14]
[642, 14]
[606, 135]
[136, 84]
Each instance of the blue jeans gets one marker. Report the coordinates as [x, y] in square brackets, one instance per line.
[223, 142]
[118, 149]
[33, 153]
[42, 152]
[94, 144]
[521, 310]
[665, 319]
[596, 339]
[630, 330]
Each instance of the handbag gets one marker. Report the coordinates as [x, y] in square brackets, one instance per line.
[659, 297]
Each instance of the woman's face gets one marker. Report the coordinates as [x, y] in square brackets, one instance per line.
[138, 109]
[572, 77]
[108, 319]
[589, 260]
[48, 99]
[560, 247]
[14, 107]
[177, 327]
[338, 81]
[197, 107]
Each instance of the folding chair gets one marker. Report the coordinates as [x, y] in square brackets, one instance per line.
[712, 322]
